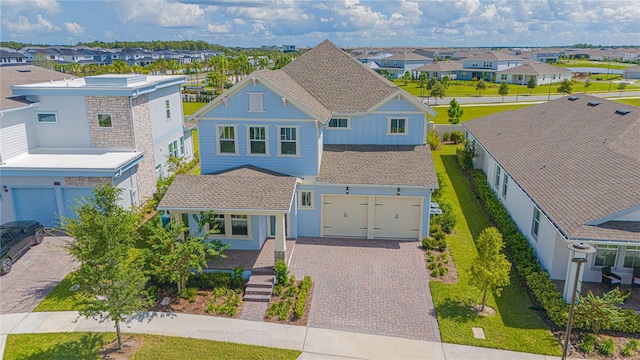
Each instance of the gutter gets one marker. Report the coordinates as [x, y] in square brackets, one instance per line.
[32, 105]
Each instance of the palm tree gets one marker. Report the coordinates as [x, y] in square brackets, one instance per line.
[263, 62]
[120, 67]
[137, 69]
[161, 65]
[173, 65]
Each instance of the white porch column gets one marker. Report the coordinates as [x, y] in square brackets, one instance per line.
[577, 250]
[281, 244]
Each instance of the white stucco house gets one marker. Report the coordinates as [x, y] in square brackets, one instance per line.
[568, 171]
[60, 136]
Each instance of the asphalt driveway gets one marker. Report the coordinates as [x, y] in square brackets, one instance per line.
[368, 286]
[34, 275]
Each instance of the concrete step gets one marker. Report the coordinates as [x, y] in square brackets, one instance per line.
[256, 298]
[263, 281]
[249, 290]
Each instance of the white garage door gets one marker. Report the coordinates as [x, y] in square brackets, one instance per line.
[36, 204]
[397, 217]
[345, 215]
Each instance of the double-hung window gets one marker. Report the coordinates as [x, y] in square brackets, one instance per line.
[167, 107]
[305, 200]
[606, 255]
[173, 148]
[496, 181]
[227, 142]
[339, 123]
[535, 224]
[181, 145]
[631, 257]
[505, 184]
[397, 126]
[288, 141]
[257, 142]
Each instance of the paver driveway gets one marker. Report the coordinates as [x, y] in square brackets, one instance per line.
[367, 286]
[34, 275]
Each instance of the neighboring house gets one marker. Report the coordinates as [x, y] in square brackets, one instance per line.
[11, 57]
[546, 56]
[484, 66]
[397, 65]
[440, 69]
[59, 137]
[542, 72]
[632, 72]
[568, 171]
[322, 147]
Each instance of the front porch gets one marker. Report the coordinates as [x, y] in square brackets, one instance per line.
[259, 262]
[633, 302]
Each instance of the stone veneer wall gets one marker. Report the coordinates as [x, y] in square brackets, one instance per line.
[85, 181]
[120, 135]
[144, 142]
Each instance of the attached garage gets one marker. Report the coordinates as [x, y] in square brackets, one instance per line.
[345, 216]
[36, 204]
[397, 217]
[371, 217]
[70, 197]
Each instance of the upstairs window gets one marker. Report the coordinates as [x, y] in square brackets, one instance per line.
[255, 102]
[167, 107]
[257, 140]
[227, 143]
[47, 118]
[339, 123]
[104, 120]
[288, 141]
[397, 127]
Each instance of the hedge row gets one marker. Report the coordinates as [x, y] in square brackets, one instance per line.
[528, 267]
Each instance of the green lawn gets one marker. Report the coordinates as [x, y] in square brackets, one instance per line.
[594, 64]
[634, 102]
[189, 108]
[87, 346]
[61, 298]
[472, 112]
[514, 327]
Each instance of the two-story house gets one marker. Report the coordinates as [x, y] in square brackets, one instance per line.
[568, 171]
[323, 147]
[60, 137]
[398, 64]
[485, 66]
[543, 73]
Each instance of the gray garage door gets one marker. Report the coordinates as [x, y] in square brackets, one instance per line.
[69, 197]
[36, 204]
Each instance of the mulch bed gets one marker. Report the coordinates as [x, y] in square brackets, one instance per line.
[293, 320]
[451, 277]
[184, 306]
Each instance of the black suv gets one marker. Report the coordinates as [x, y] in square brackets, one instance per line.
[16, 238]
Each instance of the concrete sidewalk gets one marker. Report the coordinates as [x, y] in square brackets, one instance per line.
[315, 343]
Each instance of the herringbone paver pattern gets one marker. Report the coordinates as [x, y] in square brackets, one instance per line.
[368, 286]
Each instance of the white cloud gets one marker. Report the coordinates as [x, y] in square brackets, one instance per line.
[23, 26]
[74, 28]
[160, 13]
[50, 7]
[111, 34]
[219, 28]
[238, 21]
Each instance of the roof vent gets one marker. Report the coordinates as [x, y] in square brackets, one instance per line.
[24, 70]
[622, 111]
[573, 98]
[593, 103]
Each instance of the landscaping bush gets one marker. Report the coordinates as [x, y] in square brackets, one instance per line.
[282, 272]
[457, 137]
[608, 347]
[630, 348]
[447, 220]
[238, 278]
[189, 293]
[433, 139]
[224, 301]
[466, 156]
[437, 241]
[446, 137]
[301, 302]
[588, 344]
[211, 280]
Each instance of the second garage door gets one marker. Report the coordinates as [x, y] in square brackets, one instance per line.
[397, 217]
[36, 204]
[345, 215]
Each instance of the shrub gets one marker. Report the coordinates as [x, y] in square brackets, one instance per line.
[447, 220]
[437, 241]
[629, 348]
[433, 139]
[211, 280]
[457, 137]
[608, 347]
[588, 344]
[445, 137]
[189, 293]
[228, 305]
[282, 272]
[238, 278]
[466, 156]
[277, 289]
[301, 302]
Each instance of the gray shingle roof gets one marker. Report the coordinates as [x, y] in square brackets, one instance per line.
[338, 81]
[493, 56]
[21, 75]
[242, 188]
[441, 66]
[407, 56]
[530, 67]
[408, 165]
[579, 163]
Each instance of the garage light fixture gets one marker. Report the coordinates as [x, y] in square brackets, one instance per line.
[398, 192]
[4, 188]
[346, 191]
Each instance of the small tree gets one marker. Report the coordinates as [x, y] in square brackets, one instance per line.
[406, 78]
[109, 277]
[622, 86]
[565, 87]
[455, 112]
[422, 83]
[438, 91]
[490, 270]
[531, 84]
[600, 312]
[446, 82]
[480, 86]
[587, 83]
[503, 90]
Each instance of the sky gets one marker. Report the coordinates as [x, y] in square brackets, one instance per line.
[348, 23]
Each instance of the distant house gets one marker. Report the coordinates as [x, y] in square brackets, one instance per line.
[440, 69]
[11, 57]
[568, 171]
[632, 72]
[546, 57]
[398, 64]
[485, 66]
[543, 73]
[323, 147]
[60, 137]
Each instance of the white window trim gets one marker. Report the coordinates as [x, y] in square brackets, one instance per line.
[175, 151]
[496, 178]
[266, 140]
[533, 223]
[167, 109]
[279, 141]
[340, 128]
[98, 120]
[46, 112]
[182, 148]
[313, 203]
[406, 125]
[615, 259]
[505, 186]
[227, 225]
[236, 141]
[625, 256]
[249, 95]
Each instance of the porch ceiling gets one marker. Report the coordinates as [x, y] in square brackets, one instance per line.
[247, 190]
